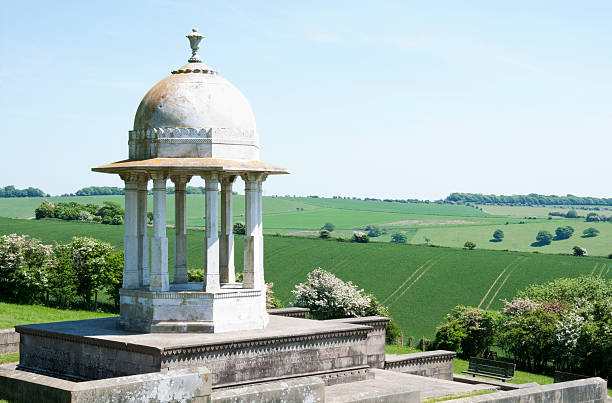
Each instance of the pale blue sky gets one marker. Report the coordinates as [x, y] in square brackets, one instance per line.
[386, 99]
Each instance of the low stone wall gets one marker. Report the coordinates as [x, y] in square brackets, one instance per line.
[9, 341]
[376, 337]
[592, 390]
[192, 385]
[307, 389]
[292, 312]
[433, 364]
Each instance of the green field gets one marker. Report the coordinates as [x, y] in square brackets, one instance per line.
[420, 284]
[441, 224]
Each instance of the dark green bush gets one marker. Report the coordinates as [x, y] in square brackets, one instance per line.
[329, 227]
[239, 228]
[360, 237]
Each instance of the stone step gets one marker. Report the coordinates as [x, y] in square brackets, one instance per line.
[183, 327]
[380, 389]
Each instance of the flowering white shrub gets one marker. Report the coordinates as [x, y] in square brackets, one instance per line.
[519, 306]
[328, 297]
[567, 334]
[23, 267]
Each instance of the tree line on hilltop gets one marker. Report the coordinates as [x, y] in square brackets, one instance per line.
[530, 199]
[11, 191]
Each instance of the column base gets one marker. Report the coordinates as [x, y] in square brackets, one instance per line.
[187, 309]
[181, 276]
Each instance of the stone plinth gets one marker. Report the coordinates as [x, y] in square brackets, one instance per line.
[186, 308]
[9, 341]
[286, 348]
[376, 337]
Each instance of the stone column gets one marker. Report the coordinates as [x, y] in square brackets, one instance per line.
[143, 236]
[212, 283]
[226, 242]
[253, 238]
[130, 238]
[260, 224]
[180, 225]
[159, 243]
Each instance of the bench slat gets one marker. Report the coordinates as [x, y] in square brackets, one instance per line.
[490, 368]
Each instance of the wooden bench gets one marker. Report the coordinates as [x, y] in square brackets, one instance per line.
[503, 371]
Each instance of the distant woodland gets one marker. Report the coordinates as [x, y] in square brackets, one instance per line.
[11, 191]
[527, 200]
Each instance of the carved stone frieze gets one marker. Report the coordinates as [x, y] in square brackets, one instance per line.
[154, 142]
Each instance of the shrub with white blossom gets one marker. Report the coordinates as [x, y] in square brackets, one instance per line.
[328, 297]
[24, 264]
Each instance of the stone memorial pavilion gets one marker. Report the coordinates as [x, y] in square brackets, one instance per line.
[192, 123]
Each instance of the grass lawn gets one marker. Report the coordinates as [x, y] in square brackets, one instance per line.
[10, 357]
[13, 314]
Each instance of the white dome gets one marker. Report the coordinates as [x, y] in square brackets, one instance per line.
[194, 113]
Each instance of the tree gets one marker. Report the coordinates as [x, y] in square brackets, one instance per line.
[91, 261]
[114, 275]
[360, 237]
[571, 214]
[239, 228]
[329, 227]
[590, 232]
[399, 238]
[467, 330]
[108, 211]
[579, 251]
[324, 234]
[373, 231]
[544, 238]
[529, 336]
[469, 245]
[498, 235]
[45, 210]
[564, 232]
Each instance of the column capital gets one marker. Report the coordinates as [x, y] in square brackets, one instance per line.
[207, 176]
[143, 179]
[228, 179]
[156, 175]
[130, 176]
[254, 176]
[180, 180]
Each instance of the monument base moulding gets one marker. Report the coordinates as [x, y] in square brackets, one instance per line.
[286, 348]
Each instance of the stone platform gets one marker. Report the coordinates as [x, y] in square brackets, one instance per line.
[185, 308]
[286, 348]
